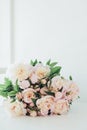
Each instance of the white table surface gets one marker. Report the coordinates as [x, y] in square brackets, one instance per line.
[76, 119]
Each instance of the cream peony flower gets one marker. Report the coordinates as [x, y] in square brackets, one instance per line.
[72, 91]
[24, 84]
[18, 71]
[34, 78]
[28, 94]
[42, 71]
[16, 108]
[61, 106]
[33, 113]
[58, 96]
[45, 104]
[58, 83]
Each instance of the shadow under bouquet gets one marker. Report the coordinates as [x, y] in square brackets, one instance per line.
[36, 89]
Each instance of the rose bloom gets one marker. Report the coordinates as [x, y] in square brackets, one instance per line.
[43, 81]
[59, 95]
[18, 71]
[45, 104]
[24, 84]
[17, 108]
[34, 78]
[33, 113]
[28, 94]
[61, 106]
[58, 83]
[72, 91]
[42, 71]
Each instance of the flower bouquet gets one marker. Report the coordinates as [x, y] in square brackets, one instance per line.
[36, 89]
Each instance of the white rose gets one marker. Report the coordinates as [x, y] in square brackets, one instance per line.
[24, 84]
[61, 106]
[45, 104]
[42, 71]
[18, 71]
[58, 83]
[16, 108]
[28, 94]
[72, 91]
[33, 113]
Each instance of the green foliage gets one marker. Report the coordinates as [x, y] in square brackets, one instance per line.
[48, 62]
[16, 86]
[34, 101]
[37, 94]
[50, 93]
[70, 77]
[33, 63]
[55, 69]
[4, 94]
[8, 89]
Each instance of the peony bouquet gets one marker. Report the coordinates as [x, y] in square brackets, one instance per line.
[36, 89]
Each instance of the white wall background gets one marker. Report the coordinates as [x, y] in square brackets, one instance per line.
[55, 29]
[4, 33]
[44, 29]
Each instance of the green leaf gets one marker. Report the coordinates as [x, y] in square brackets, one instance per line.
[12, 93]
[13, 99]
[60, 90]
[78, 96]
[55, 71]
[33, 63]
[50, 93]
[8, 89]
[16, 86]
[70, 102]
[53, 64]
[7, 82]
[34, 101]
[40, 62]
[37, 94]
[70, 77]
[7, 86]
[4, 94]
[48, 62]
[62, 77]
[2, 86]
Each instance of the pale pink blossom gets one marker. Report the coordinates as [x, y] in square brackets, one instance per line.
[72, 91]
[18, 71]
[58, 83]
[37, 89]
[28, 94]
[45, 104]
[58, 95]
[42, 71]
[24, 84]
[31, 104]
[34, 78]
[33, 113]
[43, 81]
[16, 108]
[61, 106]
